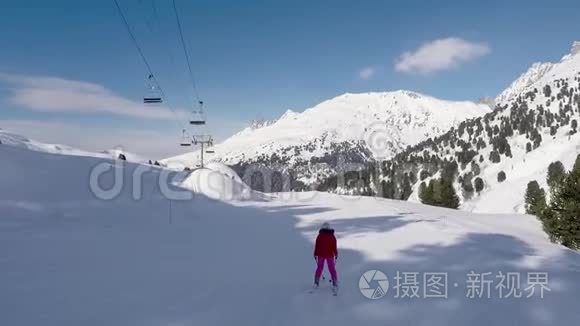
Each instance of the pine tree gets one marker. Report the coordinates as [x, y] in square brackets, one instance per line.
[562, 221]
[550, 224]
[478, 184]
[448, 197]
[437, 196]
[426, 192]
[407, 189]
[494, 157]
[388, 189]
[467, 187]
[535, 199]
[556, 173]
[508, 150]
[501, 176]
[547, 91]
[439, 192]
[475, 168]
[450, 170]
[422, 191]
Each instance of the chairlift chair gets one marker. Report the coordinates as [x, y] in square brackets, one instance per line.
[185, 140]
[198, 117]
[210, 149]
[152, 92]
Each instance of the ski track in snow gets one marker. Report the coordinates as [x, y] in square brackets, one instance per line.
[67, 258]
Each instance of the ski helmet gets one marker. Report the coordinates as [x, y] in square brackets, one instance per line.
[325, 226]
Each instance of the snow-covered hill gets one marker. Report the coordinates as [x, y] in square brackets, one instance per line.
[69, 258]
[358, 127]
[535, 124]
[558, 144]
[12, 139]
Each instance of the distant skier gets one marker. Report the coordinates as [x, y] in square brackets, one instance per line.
[325, 250]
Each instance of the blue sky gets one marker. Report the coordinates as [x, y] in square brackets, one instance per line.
[254, 59]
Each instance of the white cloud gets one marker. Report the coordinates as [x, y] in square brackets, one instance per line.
[50, 94]
[366, 72]
[439, 55]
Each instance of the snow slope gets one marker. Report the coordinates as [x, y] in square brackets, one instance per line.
[524, 167]
[539, 105]
[12, 139]
[508, 196]
[385, 122]
[68, 258]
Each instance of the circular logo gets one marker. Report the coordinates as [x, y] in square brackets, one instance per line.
[373, 284]
[379, 140]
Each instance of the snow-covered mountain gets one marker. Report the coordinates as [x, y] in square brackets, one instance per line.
[527, 79]
[353, 128]
[534, 124]
[541, 73]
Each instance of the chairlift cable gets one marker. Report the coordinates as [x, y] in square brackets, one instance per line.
[155, 13]
[198, 118]
[151, 74]
[185, 52]
[133, 38]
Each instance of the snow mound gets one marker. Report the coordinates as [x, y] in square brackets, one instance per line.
[225, 170]
[218, 181]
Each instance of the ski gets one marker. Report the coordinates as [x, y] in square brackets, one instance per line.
[313, 289]
[333, 289]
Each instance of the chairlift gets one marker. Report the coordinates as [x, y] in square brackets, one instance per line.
[209, 149]
[198, 117]
[152, 92]
[185, 140]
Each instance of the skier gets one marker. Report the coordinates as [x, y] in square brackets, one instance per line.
[325, 250]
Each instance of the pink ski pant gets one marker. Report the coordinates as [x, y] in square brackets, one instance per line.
[320, 266]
